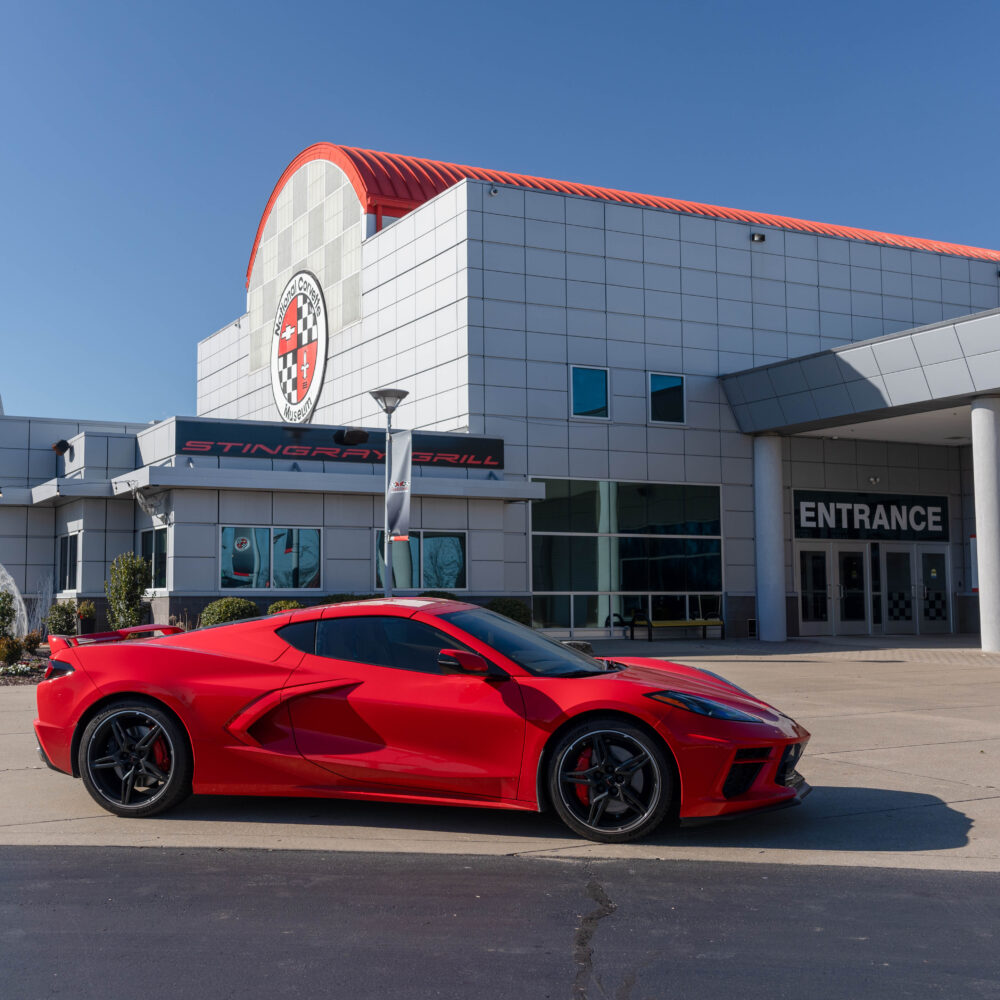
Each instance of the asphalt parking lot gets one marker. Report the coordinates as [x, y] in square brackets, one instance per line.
[904, 762]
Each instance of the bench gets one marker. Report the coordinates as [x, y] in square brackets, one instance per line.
[703, 623]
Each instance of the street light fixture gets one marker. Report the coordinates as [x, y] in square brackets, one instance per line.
[388, 400]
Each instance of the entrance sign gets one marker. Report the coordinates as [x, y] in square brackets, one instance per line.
[876, 516]
[298, 348]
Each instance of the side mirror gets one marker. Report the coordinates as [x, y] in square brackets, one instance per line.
[461, 661]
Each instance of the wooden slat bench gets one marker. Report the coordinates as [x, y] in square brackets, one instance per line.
[703, 623]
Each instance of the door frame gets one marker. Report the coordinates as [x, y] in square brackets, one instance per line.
[853, 627]
[921, 550]
[810, 628]
[834, 624]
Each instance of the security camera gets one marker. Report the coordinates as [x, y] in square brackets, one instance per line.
[494, 191]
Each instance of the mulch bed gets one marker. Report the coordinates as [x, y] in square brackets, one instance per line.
[37, 663]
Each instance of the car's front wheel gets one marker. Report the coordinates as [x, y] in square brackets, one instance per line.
[609, 780]
[134, 759]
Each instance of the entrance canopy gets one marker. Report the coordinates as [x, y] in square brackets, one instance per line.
[937, 384]
[911, 386]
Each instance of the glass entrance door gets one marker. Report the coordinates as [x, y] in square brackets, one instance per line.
[900, 614]
[933, 595]
[814, 592]
[852, 592]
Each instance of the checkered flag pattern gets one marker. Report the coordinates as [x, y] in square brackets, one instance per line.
[900, 607]
[286, 375]
[935, 606]
[307, 325]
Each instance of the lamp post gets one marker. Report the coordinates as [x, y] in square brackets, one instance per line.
[388, 400]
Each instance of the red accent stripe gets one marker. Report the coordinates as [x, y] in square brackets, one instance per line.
[390, 184]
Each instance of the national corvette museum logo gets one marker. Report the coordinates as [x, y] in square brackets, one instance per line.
[298, 349]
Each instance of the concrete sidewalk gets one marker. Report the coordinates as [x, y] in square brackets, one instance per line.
[904, 761]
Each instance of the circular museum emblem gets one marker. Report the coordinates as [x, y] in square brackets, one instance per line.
[242, 543]
[298, 348]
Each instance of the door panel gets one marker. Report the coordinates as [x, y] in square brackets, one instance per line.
[934, 611]
[814, 593]
[852, 598]
[455, 734]
[899, 616]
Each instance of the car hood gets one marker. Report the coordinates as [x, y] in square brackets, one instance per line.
[649, 676]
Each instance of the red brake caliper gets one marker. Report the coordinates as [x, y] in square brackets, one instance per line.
[583, 791]
[161, 755]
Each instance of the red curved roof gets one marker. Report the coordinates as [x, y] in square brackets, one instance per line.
[390, 184]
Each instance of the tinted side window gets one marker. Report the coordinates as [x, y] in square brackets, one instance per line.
[387, 642]
[360, 640]
[301, 635]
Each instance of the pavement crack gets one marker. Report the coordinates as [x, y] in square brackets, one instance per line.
[583, 949]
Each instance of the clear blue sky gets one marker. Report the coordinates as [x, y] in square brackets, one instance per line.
[140, 142]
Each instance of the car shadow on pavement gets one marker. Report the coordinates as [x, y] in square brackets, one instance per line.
[837, 818]
[832, 818]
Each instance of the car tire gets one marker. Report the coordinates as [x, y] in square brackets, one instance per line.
[135, 760]
[610, 780]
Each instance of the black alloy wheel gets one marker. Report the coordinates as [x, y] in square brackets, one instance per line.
[134, 760]
[610, 781]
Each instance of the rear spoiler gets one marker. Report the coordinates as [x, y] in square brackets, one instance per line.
[68, 641]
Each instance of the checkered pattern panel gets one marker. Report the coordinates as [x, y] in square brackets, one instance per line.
[900, 606]
[286, 375]
[307, 325]
[935, 606]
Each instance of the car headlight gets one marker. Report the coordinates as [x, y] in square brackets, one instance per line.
[702, 706]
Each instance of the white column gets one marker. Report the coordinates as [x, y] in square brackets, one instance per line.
[986, 473]
[769, 538]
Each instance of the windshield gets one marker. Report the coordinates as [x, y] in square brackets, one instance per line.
[536, 653]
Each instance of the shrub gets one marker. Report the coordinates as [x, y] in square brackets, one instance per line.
[7, 613]
[341, 598]
[61, 619]
[86, 609]
[10, 649]
[511, 607]
[32, 641]
[283, 605]
[129, 579]
[228, 609]
[445, 595]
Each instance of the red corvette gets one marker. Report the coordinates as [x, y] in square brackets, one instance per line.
[409, 700]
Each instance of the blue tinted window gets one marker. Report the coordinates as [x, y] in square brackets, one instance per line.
[666, 399]
[295, 556]
[246, 558]
[590, 392]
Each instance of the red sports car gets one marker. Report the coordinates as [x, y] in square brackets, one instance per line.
[409, 700]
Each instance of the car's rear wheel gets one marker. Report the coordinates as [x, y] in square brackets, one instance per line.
[134, 759]
[610, 780]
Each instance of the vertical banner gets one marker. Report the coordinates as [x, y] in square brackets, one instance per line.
[397, 497]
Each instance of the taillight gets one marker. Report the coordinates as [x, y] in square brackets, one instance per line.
[56, 668]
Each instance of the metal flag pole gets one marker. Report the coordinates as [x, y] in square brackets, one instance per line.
[387, 576]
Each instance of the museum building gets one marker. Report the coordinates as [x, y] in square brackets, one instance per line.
[623, 405]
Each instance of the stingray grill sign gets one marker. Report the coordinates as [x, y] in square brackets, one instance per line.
[874, 516]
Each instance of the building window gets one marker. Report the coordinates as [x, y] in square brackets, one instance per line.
[428, 560]
[68, 550]
[605, 552]
[590, 392]
[666, 398]
[270, 558]
[153, 546]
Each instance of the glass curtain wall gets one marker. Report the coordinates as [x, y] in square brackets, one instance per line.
[605, 552]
